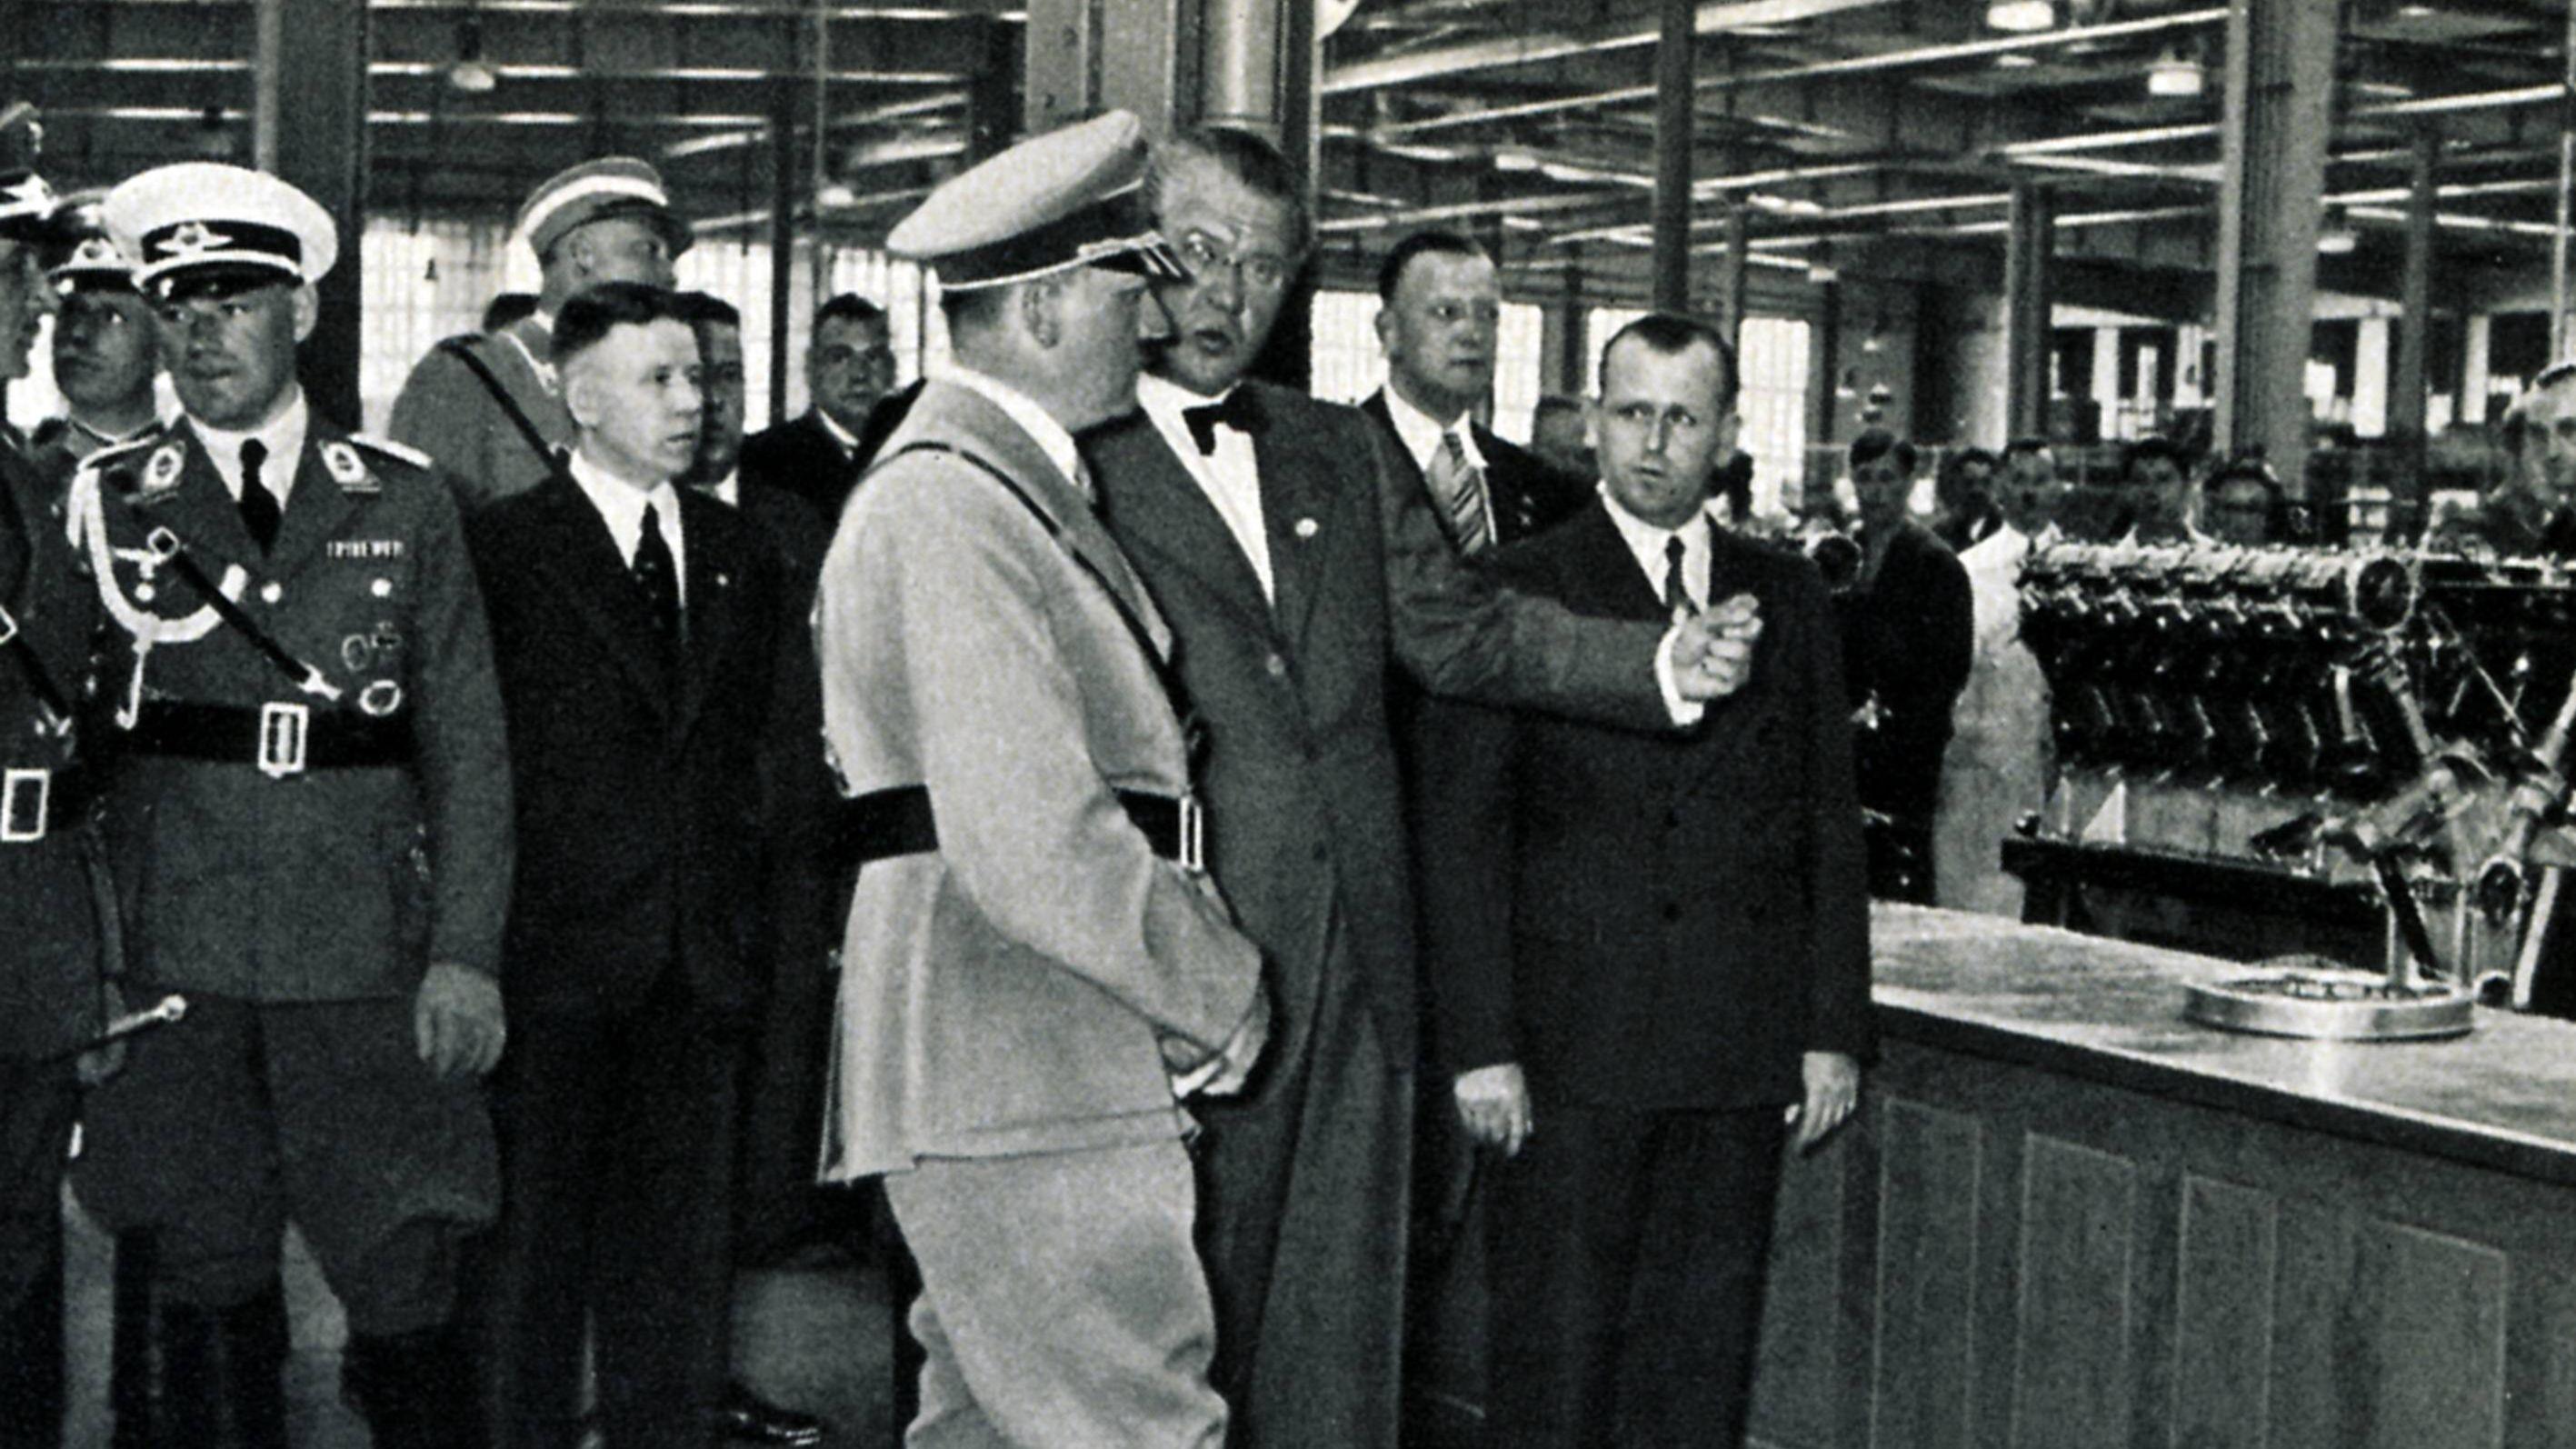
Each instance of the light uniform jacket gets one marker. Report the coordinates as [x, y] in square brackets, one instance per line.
[332, 884]
[444, 410]
[1008, 993]
[1995, 768]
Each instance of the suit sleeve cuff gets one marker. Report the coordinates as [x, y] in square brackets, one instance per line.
[1684, 712]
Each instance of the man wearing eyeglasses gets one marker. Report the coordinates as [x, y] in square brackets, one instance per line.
[849, 368]
[1296, 564]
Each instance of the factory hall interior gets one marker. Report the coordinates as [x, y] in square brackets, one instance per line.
[1302, 724]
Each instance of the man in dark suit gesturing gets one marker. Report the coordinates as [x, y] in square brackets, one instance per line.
[1293, 565]
[1439, 303]
[1643, 948]
[638, 627]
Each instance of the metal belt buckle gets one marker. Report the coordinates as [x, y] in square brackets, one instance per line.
[282, 728]
[1193, 835]
[26, 798]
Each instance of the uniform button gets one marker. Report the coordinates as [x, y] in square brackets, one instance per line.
[1277, 666]
[1672, 910]
[270, 593]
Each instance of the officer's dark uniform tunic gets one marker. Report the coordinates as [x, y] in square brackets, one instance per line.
[292, 862]
[49, 936]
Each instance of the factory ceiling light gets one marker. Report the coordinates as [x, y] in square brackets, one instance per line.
[2174, 74]
[2021, 15]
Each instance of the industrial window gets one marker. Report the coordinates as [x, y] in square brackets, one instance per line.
[1348, 362]
[431, 280]
[1771, 400]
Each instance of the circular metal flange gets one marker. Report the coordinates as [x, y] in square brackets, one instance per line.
[2330, 1005]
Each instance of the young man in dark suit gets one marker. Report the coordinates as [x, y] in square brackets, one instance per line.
[1440, 301]
[1909, 640]
[1647, 952]
[638, 628]
[819, 454]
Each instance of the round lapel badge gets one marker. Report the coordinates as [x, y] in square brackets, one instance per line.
[380, 698]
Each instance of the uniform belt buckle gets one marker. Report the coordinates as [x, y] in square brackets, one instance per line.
[283, 726]
[26, 799]
[1193, 841]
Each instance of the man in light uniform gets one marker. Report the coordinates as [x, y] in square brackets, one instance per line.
[490, 407]
[1036, 971]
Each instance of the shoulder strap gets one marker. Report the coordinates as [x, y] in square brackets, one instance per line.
[1167, 673]
[462, 349]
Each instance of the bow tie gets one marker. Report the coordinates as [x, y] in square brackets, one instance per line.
[1240, 411]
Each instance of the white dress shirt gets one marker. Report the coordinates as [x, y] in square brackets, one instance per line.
[282, 435]
[1230, 476]
[1650, 543]
[621, 505]
[1037, 422]
[832, 427]
[1421, 436]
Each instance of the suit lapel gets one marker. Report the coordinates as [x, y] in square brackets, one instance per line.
[1292, 507]
[583, 562]
[1157, 506]
[714, 574]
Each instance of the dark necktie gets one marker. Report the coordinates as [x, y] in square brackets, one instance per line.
[1458, 486]
[259, 510]
[657, 577]
[1240, 411]
[1677, 596]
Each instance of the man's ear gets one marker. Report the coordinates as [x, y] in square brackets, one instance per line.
[581, 396]
[308, 311]
[1041, 307]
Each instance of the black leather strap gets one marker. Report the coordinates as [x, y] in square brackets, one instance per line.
[231, 735]
[884, 824]
[462, 349]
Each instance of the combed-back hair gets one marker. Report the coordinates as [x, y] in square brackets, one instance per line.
[1669, 334]
[1421, 244]
[849, 307]
[594, 311]
[1876, 443]
[1247, 158]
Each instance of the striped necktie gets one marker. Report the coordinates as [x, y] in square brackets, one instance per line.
[1459, 487]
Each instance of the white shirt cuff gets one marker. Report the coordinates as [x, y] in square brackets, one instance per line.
[1685, 712]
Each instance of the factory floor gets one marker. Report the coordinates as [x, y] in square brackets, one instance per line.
[814, 1338]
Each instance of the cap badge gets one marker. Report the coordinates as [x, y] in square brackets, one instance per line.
[161, 475]
[28, 191]
[96, 251]
[347, 469]
[192, 238]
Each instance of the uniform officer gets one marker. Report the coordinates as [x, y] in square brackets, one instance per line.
[489, 406]
[310, 822]
[1036, 968]
[49, 971]
[106, 353]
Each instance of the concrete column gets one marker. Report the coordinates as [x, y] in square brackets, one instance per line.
[2280, 82]
[2105, 387]
[782, 237]
[309, 128]
[2028, 245]
[2407, 389]
[2474, 341]
[1732, 272]
[1676, 54]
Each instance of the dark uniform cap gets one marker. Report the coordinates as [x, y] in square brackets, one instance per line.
[202, 226]
[595, 191]
[1073, 197]
[26, 206]
[81, 257]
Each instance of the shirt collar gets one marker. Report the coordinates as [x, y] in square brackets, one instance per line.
[1037, 422]
[283, 436]
[726, 490]
[849, 441]
[622, 503]
[1647, 541]
[1163, 401]
[1421, 436]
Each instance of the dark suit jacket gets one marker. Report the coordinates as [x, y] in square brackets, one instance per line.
[1652, 921]
[641, 812]
[1909, 637]
[1530, 494]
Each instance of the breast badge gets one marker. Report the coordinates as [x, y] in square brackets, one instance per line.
[349, 470]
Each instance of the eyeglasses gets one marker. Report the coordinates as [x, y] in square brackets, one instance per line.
[1259, 270]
